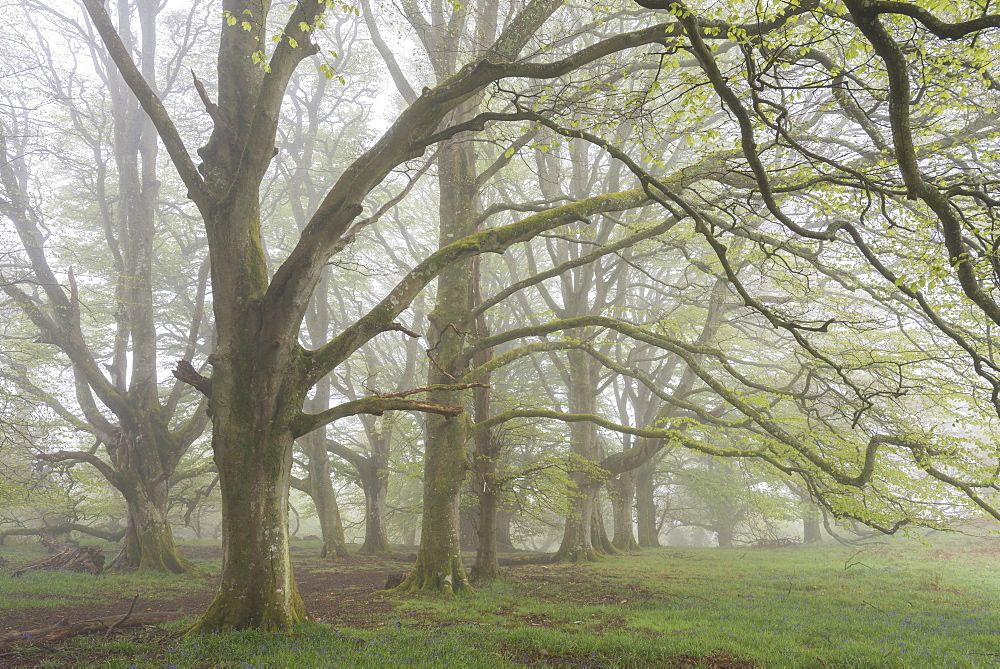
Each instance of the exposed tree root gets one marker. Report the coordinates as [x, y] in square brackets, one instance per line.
[445, 575]
[578, 554]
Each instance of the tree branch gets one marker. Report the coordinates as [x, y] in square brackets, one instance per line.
[79, 456]
[197, 189]
[306, 423]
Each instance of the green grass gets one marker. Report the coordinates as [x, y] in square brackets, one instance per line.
[895, 605]
[51, 590]
[56, 589]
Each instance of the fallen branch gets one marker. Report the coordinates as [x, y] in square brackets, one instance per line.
[63, 528]
[127, 615]
[64, 630]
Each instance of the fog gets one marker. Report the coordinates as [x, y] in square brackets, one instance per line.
[507, 277]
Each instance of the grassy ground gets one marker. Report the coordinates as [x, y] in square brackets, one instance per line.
[899, 604]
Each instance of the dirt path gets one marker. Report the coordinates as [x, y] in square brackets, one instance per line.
[338, 592]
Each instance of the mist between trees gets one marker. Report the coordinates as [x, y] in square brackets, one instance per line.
[564, 275]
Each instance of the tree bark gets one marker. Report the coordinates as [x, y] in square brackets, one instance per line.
[622, 499]
[257, 587]
[149, 540]
[373, 474]
[645, 503]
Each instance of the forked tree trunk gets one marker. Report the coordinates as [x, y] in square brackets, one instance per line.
[149, 540]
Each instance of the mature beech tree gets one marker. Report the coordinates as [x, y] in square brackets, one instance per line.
[261, 373]
[144, 433]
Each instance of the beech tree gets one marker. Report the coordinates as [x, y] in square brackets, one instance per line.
[881, 109]
[823, 416]
[144, 434]
[261, 373]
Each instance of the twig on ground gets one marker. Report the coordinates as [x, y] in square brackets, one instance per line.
[125, 617]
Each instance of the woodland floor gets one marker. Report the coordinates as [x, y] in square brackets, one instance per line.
[339, 593]
[892, 603]
[341, 597]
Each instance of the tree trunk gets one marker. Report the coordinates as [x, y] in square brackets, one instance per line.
[320, 484]
[811, 529]
[724, 532]
[622, 499]
[577, 542]
[321, 491]
[439, 565]
[257, 587]
[487, 565]
[375, 483]
[645, 506]
[578, 536]
[331, 526]
[504, 519]
[468, 522]
[599, 533]
[149, 539]
[439, 561]
[487, 451]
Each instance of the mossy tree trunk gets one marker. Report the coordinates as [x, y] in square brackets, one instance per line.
[439, 561]
[149, 540]
[487, 451]
[257, 587]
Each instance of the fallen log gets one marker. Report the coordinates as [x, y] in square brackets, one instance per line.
[64, 629]
[69, 558]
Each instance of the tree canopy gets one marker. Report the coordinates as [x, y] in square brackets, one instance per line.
[762, 232]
